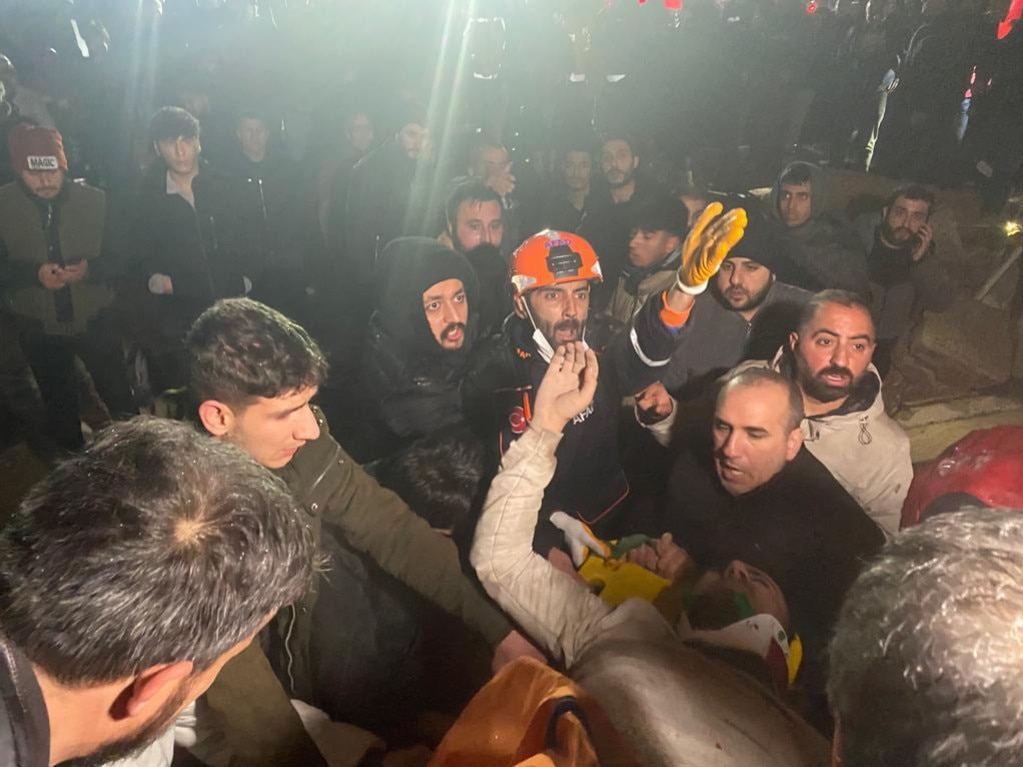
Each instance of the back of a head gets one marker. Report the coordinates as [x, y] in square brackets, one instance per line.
[438, 476]
[158, 544]
[927, 650]
[239, 349]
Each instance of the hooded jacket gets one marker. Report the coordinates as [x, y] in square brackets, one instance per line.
[860, 444]
[823, 252]
[412, 385]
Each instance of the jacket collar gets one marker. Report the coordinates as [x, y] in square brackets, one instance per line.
[866, 395]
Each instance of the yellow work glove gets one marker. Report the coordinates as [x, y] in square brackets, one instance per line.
[704, 250]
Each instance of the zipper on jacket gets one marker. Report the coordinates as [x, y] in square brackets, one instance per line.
[287, 647]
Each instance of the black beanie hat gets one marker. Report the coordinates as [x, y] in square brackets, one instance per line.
[760, 243]
[406, 268]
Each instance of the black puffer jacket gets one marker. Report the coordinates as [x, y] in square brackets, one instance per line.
[412, 386]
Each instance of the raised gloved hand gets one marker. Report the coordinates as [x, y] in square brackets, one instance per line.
[709, 241]
[579, 537]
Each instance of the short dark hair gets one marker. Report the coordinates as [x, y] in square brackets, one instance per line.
[797, 173]
[660, 213]
[252, 113]
[170, 123]
[844, 298]
[619, 136]
[439, 477]
[157, 544]
[239, 349]
[925, 658]
[912, 192]
[468, 191]
[755, 376]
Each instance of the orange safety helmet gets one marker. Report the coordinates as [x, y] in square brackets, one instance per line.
[551, 257]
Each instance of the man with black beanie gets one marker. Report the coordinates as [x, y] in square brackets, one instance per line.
[419, 340]
[746, 314]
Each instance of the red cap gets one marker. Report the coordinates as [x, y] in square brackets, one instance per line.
[36, 148]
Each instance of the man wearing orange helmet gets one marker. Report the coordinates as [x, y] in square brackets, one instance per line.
[552, 274]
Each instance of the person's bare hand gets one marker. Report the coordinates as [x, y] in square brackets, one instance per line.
[51, 277]
[923, 242]
[645, 556]
[513, 647]
[75, 272]
[567, 388]
[654, 403]
[664, 558]
[502, 180]
[673, 562]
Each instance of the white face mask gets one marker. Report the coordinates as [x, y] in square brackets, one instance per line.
[542, 344]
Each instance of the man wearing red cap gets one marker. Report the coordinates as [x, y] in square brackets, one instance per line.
[54, 282]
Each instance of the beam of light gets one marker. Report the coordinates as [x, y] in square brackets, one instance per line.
[454, 45]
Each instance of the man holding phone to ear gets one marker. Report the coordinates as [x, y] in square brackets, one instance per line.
[905, 276]
[54, 282]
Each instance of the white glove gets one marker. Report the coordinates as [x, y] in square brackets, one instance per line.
[579, 537]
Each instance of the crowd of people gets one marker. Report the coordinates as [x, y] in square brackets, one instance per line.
[484, 363]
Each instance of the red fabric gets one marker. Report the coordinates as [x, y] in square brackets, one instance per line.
[33, 147]
[987, 464]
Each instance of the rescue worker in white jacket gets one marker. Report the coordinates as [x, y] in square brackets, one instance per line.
[670, 701]
[846, 427]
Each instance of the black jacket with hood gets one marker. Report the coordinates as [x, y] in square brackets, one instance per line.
[823, 252]
[412, 385]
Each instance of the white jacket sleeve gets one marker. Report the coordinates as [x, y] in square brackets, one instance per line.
[556, 611]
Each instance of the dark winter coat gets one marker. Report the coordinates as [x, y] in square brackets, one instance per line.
[801, 528]
[24, 724]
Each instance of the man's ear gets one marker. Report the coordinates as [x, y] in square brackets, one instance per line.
[217, 418]
[155, 685]
[674, 243]
[793, 442]
[793, 340]
[635, 162]
[519, 303]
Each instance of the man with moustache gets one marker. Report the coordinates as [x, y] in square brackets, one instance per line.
[747, 313]
[474, 219]
[418, 344]
[56, 281]
[845, 425]
[552, 274]
[905, 275]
